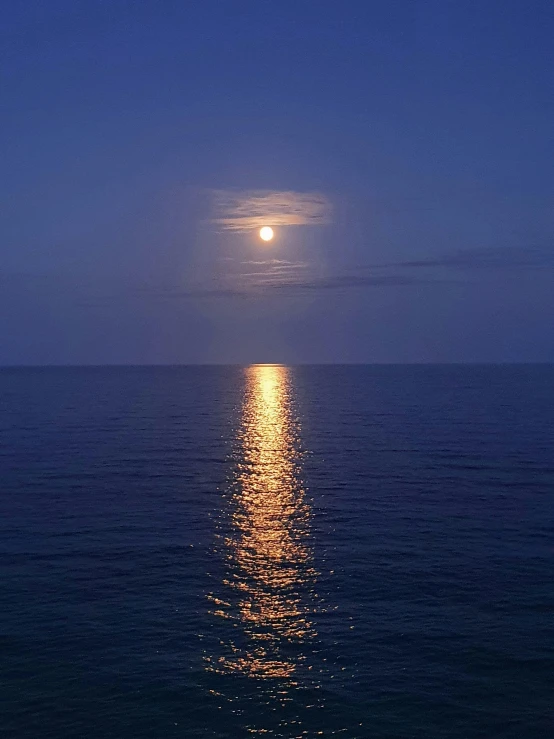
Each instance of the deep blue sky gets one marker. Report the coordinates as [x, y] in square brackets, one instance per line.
[429, 126]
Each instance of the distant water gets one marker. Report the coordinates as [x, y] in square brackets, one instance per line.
[277, 552]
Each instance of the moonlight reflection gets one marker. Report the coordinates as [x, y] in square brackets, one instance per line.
[268, 586]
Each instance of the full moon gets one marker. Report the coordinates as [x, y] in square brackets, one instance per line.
[266, 233]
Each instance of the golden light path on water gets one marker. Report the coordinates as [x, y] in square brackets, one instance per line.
[268, 587]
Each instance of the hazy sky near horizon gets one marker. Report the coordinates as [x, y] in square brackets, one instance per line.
[402, 150]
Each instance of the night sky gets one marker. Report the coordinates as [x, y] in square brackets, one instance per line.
[135, 131]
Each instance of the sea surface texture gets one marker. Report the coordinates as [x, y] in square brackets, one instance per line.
[276, 551]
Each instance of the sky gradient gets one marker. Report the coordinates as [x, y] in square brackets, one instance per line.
[425, 126]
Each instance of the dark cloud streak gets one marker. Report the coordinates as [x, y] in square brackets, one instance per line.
[493, 258]
[282, 277]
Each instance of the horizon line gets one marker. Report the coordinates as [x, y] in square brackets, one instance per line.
[143, 365]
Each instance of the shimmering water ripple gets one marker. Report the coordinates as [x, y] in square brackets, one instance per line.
[285, 552]
[270, 571]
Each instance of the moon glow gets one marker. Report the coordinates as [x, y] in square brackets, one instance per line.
[266, 233]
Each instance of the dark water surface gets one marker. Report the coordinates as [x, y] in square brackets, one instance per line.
[281, 552]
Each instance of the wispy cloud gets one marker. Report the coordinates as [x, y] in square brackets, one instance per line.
[274, 276]
[344, 281]
[251, 209]
[270, 262]
[263, 284]
[492, 258]
[260, 278]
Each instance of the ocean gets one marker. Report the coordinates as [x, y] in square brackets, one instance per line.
[272, 551]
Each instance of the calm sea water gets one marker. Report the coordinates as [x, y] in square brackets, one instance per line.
[273, 551]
